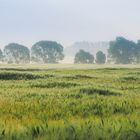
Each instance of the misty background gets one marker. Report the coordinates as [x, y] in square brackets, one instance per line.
[76, 24]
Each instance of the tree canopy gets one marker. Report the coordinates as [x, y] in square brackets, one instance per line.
[83, 57]
[1, 55]
[100, 57]
[137, 52]
[47, 52]
[16, 53]
[122, 51]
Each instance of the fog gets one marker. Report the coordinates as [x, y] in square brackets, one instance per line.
[28, 21]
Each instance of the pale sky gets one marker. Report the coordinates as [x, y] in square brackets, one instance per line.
[67, 21]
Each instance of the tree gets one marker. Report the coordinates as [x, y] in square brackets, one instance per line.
[137, 52]
[16, 53]
[47, 52]
[1, 55]
[121, 51]
[84, 57]
[100, 57]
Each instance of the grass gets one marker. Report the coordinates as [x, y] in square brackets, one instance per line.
[69, 104]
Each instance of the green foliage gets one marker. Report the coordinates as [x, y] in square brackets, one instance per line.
[98, 91]
[122, 51]
[100, 57]
[69, 104]
[18, 76]
[83, 57]
[16, 53]
[47, 52]
[137, 52]
[1, 55]
[54, 85]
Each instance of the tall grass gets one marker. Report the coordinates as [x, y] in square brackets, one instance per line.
[102, 104]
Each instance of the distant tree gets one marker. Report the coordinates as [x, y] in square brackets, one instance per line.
[100, 57]
[83, 57]
[121, 51]
[47, 52]
[16, 53]
[1, 55]
[137, 52]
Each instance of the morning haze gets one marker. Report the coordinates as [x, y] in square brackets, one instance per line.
[28, 21]
[69, 70]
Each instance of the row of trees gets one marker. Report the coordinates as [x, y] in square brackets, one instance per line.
[121, 51]
[87, 58]
[42, 51]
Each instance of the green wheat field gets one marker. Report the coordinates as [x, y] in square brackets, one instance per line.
[69, 102]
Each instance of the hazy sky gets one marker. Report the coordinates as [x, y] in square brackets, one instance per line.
[66, 21]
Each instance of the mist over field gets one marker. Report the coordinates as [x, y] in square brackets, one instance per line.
[69, 70]
[93, 47]
[88, 25]
[28, 21]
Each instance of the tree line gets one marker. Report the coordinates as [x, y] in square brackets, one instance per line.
[121, 51]
[41, 52]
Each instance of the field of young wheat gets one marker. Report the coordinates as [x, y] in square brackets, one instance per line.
[70, 104]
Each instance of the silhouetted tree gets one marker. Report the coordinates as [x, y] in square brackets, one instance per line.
[84, 57]
[137, 52]
[100, 57]
[1, 55]
[121, 51]
[47, 52]
[16, 53]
